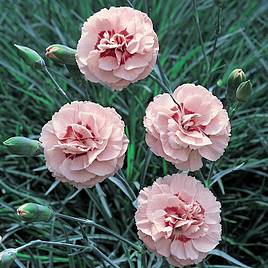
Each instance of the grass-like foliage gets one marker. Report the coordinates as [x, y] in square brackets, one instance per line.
[29, 98]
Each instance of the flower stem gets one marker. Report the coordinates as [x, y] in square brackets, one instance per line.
[162, 74]
[211, 171]
[161, 84]
[90, 222]
[41, 242]
[200, 35]
[91, 247]
[130, 4]
[218, 29]
[56, 84]
[217, 33]
[232, 110]
[164, 87]
[125, 182]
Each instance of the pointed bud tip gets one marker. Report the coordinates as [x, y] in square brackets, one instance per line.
[8, 142]
[33, 212]
[236, 77]
[30, 57]
[23, 146]
[20, 212]
[244, 91]
[61, 54]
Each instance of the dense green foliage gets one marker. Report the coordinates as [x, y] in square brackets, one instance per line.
[28, 100]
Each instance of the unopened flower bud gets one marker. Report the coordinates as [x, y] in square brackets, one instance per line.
[31, 57]
[23, 146]
[61, 54]
[236, 77]
[32, 212]
[244, 91]
[7, 257]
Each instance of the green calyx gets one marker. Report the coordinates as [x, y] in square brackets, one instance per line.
[244, 91]
[61, 54]
[236, 77]
[23, 146]
[32, 212]
[30, 57]
[7, 257]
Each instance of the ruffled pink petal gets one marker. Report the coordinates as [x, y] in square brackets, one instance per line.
[204, 244]
[192, 126]
[190, 251]
[60, 121]
[48, 135]
[118, 46]
[177, 217]
[108, 63]
[129, 75]
[80, 147]
[193, 163]
[177, 249]
[102, 168]
[163, 247]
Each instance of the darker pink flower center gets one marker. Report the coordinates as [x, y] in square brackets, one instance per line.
[183, 220]
[187, 120]
[78, 140]
[114, 45]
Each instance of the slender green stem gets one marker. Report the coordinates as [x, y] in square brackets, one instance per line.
[124, 180]
[161, 80]
[162, 74]
[56, 84]
[100, 227]
[217, 33]
[130, 4]
[148, 157]
[51, 238]
[146, 7]
[161, 84]
[232, 110]
[41, 242]
[200, 35]
[205, 181]
[211, 171]
[97, 252]
[164, 87]
[129, 226]
[201, 175]
[218, 29]
[101, 255]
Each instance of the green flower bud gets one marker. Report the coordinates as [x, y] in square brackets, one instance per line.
[31, 57]
[23, 146]
[236, 77]
[7, 257]
[61, 54]
[32, 212]
[244, 91]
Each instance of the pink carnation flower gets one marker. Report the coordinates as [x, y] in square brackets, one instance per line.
[118, 46]
[183, 132]
[84, 143]
[179, 218]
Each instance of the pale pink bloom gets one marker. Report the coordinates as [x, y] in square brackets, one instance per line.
[192, 125]
[178, 218]
[118, 46]
[84, 143]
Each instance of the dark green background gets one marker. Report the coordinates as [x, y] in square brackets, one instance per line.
[28, 99]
